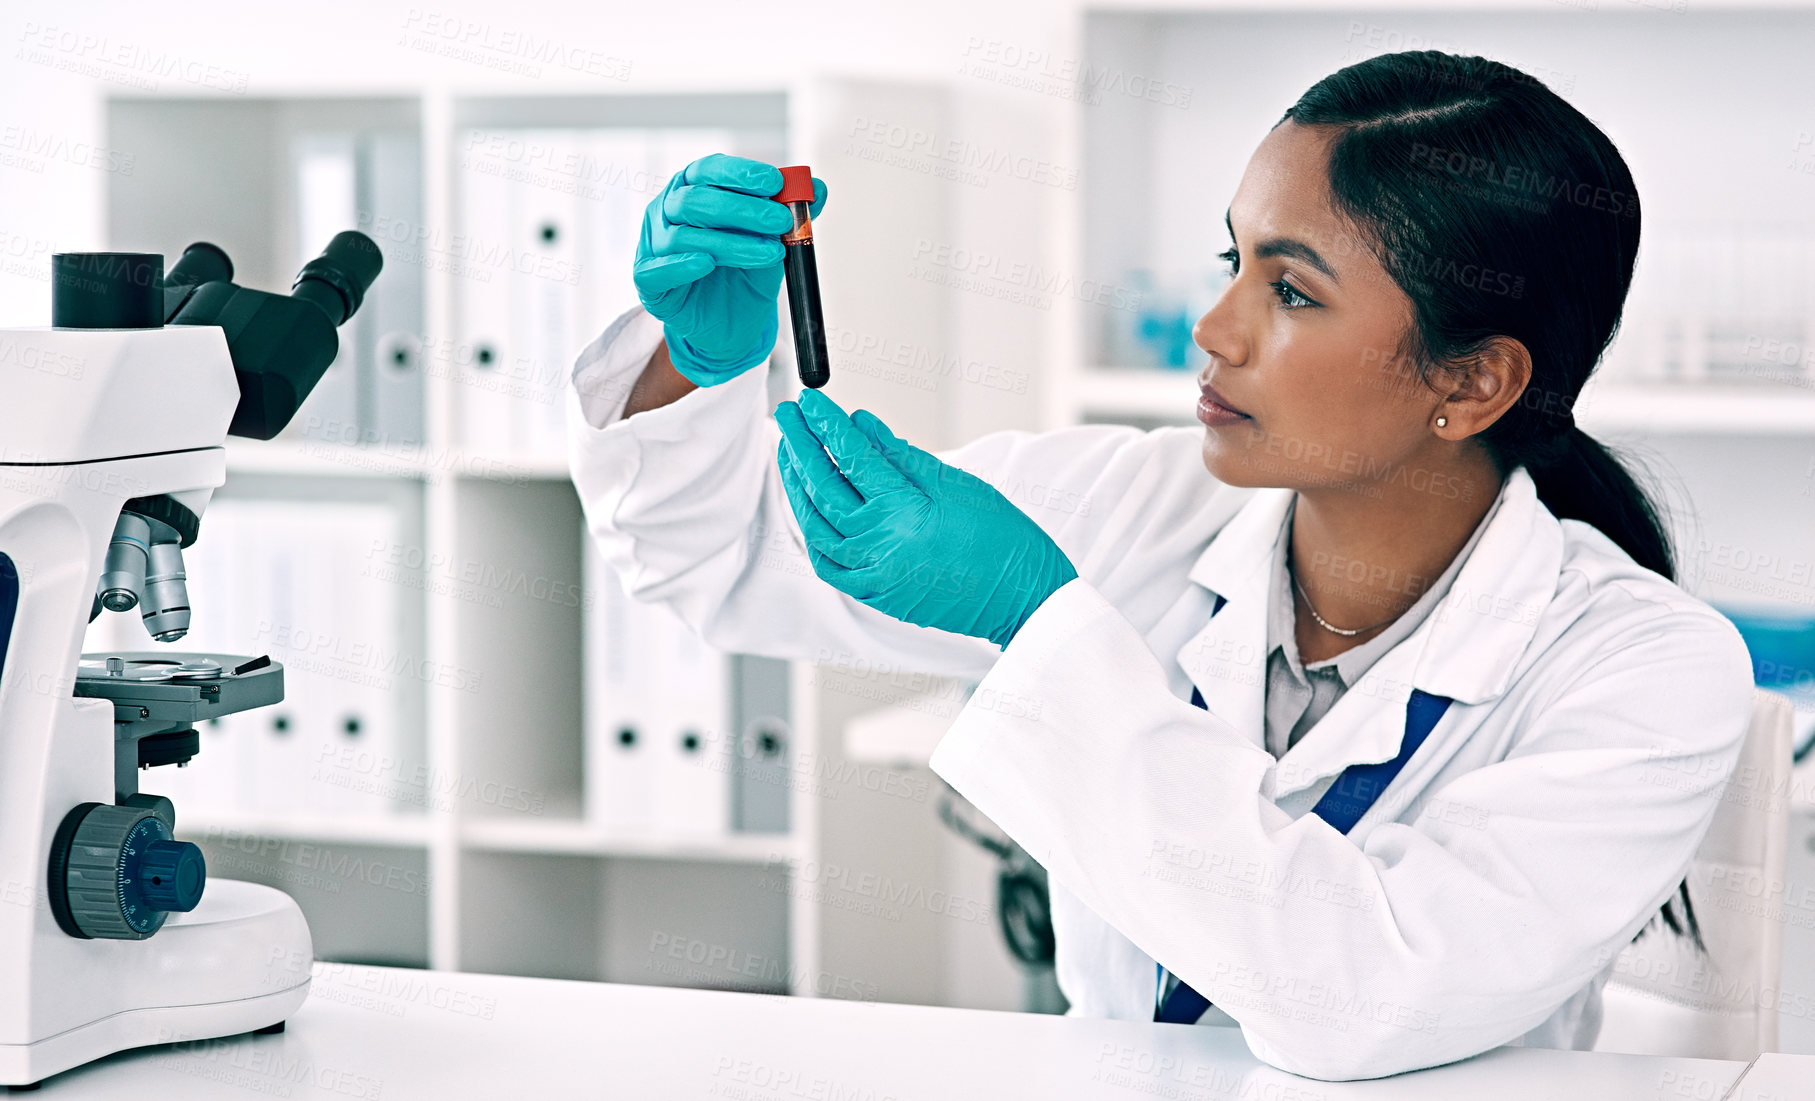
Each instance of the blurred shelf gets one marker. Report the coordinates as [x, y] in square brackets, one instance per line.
[1706, 408]
[315, 458]
[574, 837]
[501, 467]
[399, 830]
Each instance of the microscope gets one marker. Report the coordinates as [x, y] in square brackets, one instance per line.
[112, 426]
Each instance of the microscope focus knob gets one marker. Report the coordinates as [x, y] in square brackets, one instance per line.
[116, 873]
[171, 875]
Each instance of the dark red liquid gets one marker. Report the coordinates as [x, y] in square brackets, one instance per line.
[803, 307]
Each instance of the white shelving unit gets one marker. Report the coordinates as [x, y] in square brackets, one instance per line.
[1704, 409]
[474, 882]
[462, 884]
[397, 829]
[466, 885]
[578, 838]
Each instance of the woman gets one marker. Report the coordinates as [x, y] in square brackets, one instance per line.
[1371, 742]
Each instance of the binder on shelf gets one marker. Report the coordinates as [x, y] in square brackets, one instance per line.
[564, 208]
[289, 579]
[544, 285]
[373, 393]
[692, 705]
[480, 353]
[325, 172]
[626, 179]
[762, 750]
[355, 744]
[657, 703]
[292, 614]
[619, 740]
[626, 169]
[392, 397]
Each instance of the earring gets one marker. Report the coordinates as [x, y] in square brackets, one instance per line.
[1441, 421]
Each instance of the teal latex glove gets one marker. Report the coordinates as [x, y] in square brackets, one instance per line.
[909, 535]
[708, 264]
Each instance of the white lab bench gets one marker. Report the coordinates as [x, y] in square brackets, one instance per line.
[393, 1034]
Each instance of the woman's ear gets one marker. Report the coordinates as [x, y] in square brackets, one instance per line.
[1485, 386]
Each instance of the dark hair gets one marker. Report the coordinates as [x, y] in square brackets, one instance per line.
[1500, 210]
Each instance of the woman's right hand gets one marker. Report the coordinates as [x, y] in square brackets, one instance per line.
[709, 264]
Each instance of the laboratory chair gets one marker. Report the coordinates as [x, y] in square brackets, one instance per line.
[1664, 997]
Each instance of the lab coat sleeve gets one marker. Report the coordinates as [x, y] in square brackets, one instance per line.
[686, 504]
[1431, 941]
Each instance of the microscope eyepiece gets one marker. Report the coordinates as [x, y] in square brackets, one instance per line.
[202, 262]
[106, 290]
[338, 279]
[280, 343]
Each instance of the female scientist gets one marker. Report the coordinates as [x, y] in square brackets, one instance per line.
[1380, 741]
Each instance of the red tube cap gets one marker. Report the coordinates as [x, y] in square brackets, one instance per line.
[796, 185]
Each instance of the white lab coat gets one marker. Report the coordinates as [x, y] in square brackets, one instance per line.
[1598, 708]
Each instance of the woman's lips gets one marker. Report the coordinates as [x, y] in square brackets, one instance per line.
[1214, 411]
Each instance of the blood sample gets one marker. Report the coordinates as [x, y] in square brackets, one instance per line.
[803, 278]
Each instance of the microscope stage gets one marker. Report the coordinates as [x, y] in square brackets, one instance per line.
[160, 687]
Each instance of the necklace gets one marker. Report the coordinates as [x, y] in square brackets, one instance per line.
[1325, 624]
[1292, 515]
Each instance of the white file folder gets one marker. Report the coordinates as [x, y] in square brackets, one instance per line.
[692, 705]
[619, 744]
[355, 744]
[656, 703]
[550, 221]
[294, 631]
[389, 324]
[478, 356]
[305, 582]
[626, 169]
[623, 180]
[548, 269]
[290, 579]
[325, 171]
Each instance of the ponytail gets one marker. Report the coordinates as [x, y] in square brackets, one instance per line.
[1583, 481]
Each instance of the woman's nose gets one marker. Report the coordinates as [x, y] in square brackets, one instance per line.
[1217, 333]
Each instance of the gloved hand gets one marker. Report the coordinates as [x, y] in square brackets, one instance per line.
[708, 264]
[907, 534]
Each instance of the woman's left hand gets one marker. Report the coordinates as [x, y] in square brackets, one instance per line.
[907, 534]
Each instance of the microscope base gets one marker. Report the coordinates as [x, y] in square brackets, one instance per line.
[239, 962]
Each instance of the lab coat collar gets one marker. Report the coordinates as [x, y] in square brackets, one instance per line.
[1484, 624]
[1467, 649]
[1227, 659]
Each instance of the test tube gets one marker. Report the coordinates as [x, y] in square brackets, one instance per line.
[803, 278]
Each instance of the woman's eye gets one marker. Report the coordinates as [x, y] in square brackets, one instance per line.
[1289, 297]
